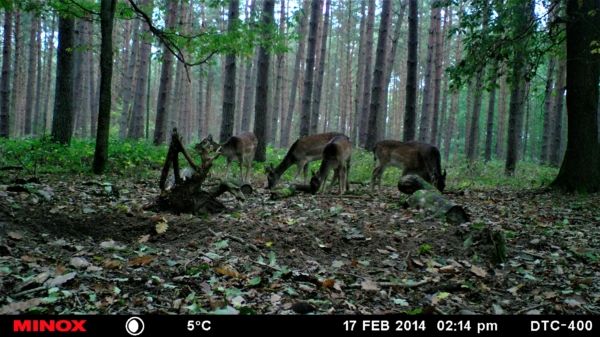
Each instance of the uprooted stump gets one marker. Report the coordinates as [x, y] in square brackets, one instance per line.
[488, 238]
[187, 194]
[424, 196]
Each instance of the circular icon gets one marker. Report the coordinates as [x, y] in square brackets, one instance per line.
[134, 326]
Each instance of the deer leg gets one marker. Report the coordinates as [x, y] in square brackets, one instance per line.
[376, 179]
[227, 168]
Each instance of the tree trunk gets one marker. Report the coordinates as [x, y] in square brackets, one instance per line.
[501, 119]
[5, 76]
[316, 106]
[454, 100]
[437, 80]
[555, 150]
[62, 122]
[410, 108]
[376, 108]
[130, 81]
[107, 13]
[425, 121]
[490, 116]
[200, 111]
[38, 87]
[166, 80]
[523, 14]
[315, 14]
[360, 73]
[262, 86]
[279, 83]
[547, 110]
[229, 84]
[48, 75]
[32, 64]
[366, 100]
[285, 131]
[136, 128]
[19, 78]
[446, 85]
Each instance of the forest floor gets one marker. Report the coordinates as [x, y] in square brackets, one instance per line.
[78, 244]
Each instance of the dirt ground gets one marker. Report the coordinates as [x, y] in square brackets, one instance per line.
[78, 245]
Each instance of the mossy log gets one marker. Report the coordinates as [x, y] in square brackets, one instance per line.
[289, 191]
[426, 196]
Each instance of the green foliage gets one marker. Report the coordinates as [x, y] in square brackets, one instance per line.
[425, 249]
[41, 155]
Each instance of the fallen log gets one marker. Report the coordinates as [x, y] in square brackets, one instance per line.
[425, 196]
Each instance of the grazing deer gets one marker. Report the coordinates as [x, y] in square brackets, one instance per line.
[336, 155]
[240, 147]
[412, 157]
[302, 152]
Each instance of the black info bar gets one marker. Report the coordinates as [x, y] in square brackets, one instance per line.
[384, 325]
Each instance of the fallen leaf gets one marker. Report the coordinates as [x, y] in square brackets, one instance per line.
[161, 227]
[112, 264]
[141, 260]
[328, 283]
[369, 285]
[449, 269]
[228, 271]
[15, 235]
[79, 262]
[20, 307]
[144, 238]
[111, 244]
[59, 280]
[478, 271]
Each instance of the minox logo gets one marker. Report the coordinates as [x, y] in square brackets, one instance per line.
[49, 325]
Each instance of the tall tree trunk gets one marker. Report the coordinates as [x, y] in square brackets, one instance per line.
[38, 86]
[523, 14]
[366, 100]
[62, 122]
[437, 80]
[425, 120]
[446, 45]
[315, 14]
[229, 85]
[410, 108]
[32, 64]
[130, 81]
[547, 109]
[285, 131]
[5, 76]
[556, 118]
[107, 13]
[48, 75]
[360, 73]
[316, 105]
[375, 133]
[489, 132]
[262, 85]
[19, 77]
[390, 63]
[501, 119]
[201, 113]
[166, 80]
[136, 129]
[454, 100]
[77, 94]
[279, 83]
[208, 101]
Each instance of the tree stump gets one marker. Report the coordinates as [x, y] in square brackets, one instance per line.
[426, 196]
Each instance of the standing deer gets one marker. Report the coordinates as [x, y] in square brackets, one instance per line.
[240, 147]
[336, 155]
[412, 157]
[302, 152]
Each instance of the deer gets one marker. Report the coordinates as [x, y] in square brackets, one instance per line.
[337, 154]
[240, 147]
[301, 153]
[412, 157]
